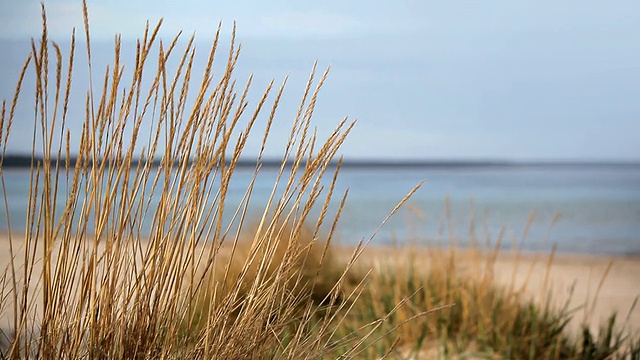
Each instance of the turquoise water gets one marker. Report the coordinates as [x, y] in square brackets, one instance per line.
[598, 206]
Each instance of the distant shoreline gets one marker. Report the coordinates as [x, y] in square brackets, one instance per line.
[26, 161]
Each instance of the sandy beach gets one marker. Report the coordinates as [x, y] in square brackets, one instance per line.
[574, 278]
[596, 286]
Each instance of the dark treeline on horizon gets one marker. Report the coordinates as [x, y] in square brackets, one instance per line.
[26, 161]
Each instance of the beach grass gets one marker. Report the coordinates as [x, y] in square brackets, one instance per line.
[114, 276]
[472, 315]
[147, 260]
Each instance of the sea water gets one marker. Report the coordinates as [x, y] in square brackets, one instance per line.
[578, 208]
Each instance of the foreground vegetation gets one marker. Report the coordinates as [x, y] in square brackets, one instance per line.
[475, 317]
[149, 261]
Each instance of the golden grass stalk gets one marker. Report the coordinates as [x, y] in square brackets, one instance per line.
[147, 259]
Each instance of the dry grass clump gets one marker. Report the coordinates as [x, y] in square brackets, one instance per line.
[311, 259]
[485, 320]
[476, 317]
[293, 261]
[146, 259]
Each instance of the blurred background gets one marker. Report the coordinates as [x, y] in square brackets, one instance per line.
[519, 106]
[426, 80]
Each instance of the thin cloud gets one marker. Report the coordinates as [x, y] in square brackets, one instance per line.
[23, 20]
[314, 23]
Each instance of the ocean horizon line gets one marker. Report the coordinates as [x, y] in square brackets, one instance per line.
[26, 161]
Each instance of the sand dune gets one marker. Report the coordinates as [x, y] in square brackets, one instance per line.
[593, 286]
[577, 275]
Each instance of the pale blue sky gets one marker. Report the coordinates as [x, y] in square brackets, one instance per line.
[515, 80]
